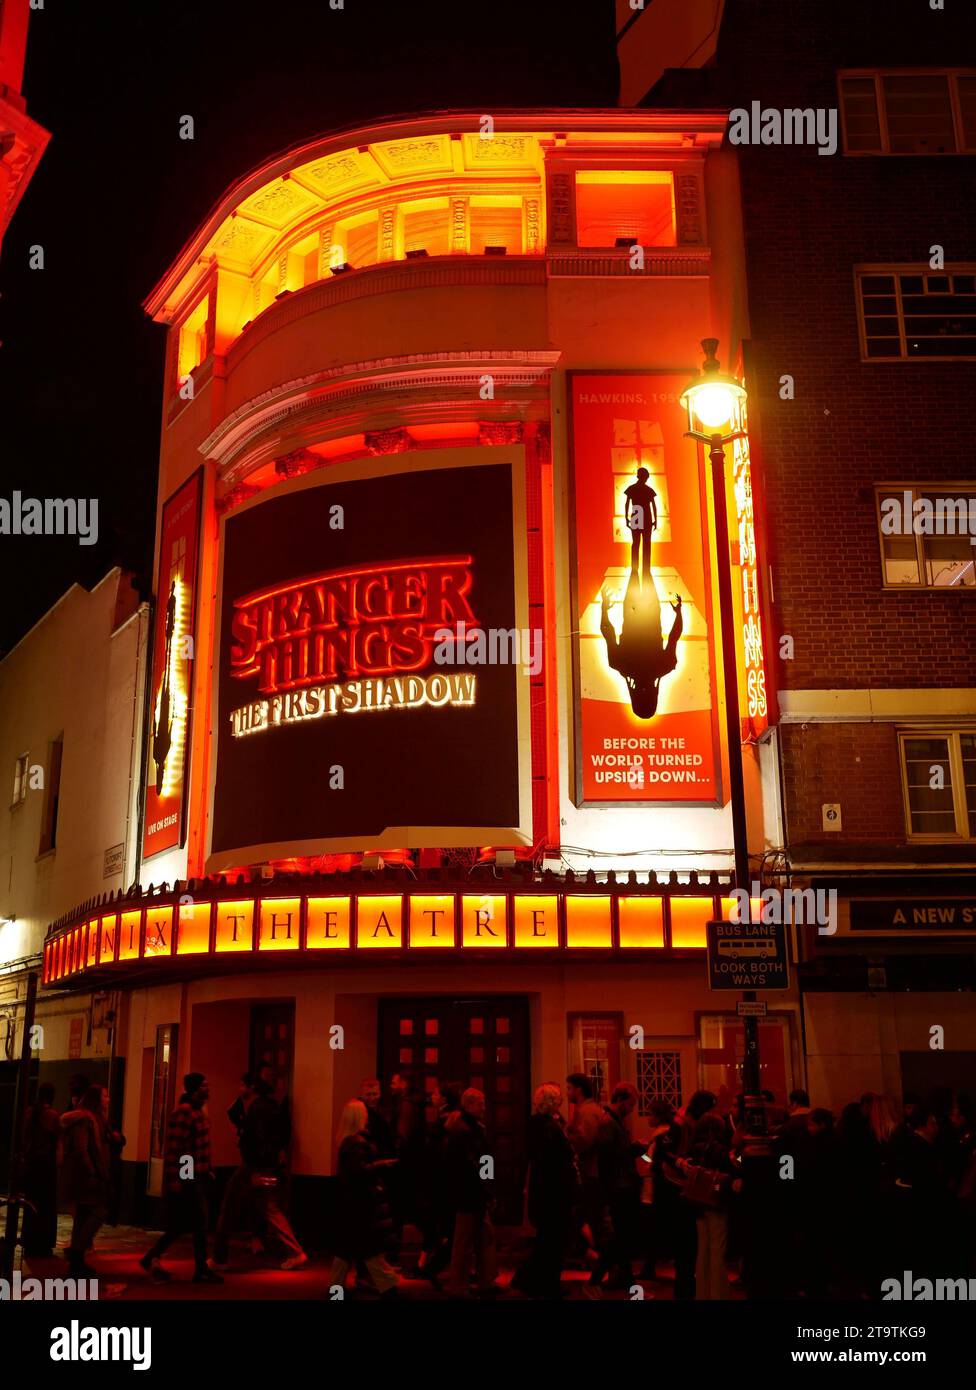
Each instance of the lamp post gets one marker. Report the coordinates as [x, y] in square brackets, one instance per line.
[711, 400]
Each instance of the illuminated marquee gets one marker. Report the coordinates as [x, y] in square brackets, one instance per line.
[320, 923]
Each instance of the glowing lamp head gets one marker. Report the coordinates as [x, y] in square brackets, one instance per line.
[712, 398]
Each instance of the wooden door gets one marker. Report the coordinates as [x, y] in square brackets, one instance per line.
[478, 1042]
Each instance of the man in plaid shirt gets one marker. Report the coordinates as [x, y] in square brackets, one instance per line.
[188, 1173]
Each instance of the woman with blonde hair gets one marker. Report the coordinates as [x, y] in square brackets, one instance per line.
[881, 1118]
[553, 1187]
[363, 1223]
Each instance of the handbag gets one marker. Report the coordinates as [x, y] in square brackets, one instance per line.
[703, 1185]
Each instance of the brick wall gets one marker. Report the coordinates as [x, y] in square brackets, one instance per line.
[854, 764]
[809, 220]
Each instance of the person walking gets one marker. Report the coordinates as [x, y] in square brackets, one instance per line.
[467, 1147]
[263, 1155]
[86, 1161]
[238, 1192]
[362, 1215]
[40, 1148]
[552, 1189]
[187, 1175]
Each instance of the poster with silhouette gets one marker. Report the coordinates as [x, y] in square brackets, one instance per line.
[172, 666]
[643, 627]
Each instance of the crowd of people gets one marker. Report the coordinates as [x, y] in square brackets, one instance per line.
[782, 1203]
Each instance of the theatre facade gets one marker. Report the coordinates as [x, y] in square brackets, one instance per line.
[436, 777]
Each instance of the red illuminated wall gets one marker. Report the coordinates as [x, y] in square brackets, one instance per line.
[24, 140]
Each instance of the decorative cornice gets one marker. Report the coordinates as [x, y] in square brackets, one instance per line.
[350, 399]
[395, 441]
[689, 261]
[235, 497]
[296, 463]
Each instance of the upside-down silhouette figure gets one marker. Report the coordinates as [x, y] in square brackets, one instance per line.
[639, 655]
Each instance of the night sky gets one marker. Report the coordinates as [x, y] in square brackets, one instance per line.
[117, 193]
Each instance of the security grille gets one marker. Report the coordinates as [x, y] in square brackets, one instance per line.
[658, 1078]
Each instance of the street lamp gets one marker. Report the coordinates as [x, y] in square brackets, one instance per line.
[713, 400]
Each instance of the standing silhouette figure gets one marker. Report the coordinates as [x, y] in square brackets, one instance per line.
[641, 517]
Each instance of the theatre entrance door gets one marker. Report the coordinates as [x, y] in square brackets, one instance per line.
[475, 1041]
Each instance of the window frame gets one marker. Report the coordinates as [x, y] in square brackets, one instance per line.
[21, 781]
[952, 75]
[896, 269]
[51, 812]
[953, 736]
[887, 490]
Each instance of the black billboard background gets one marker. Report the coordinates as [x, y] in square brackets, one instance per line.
[445, 766]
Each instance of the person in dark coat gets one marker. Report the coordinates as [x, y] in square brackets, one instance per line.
[710, 1150]
[86, 1160]
[362, 1222]
[406, 1109]
[921, 1207]
[794, 1142]
[822, 1182]
[467, 1149]
[239, 1192]
[41, 1132]
[617, 1155]
[553, 1188]
[654, 1218]
[677, 1215]
[379, 1131]
[438, 1214]
[262, 1146]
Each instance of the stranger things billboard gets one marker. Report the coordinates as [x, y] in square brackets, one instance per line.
[348, 714]
[644, 650]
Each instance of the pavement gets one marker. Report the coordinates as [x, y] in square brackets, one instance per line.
[257, 1277]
